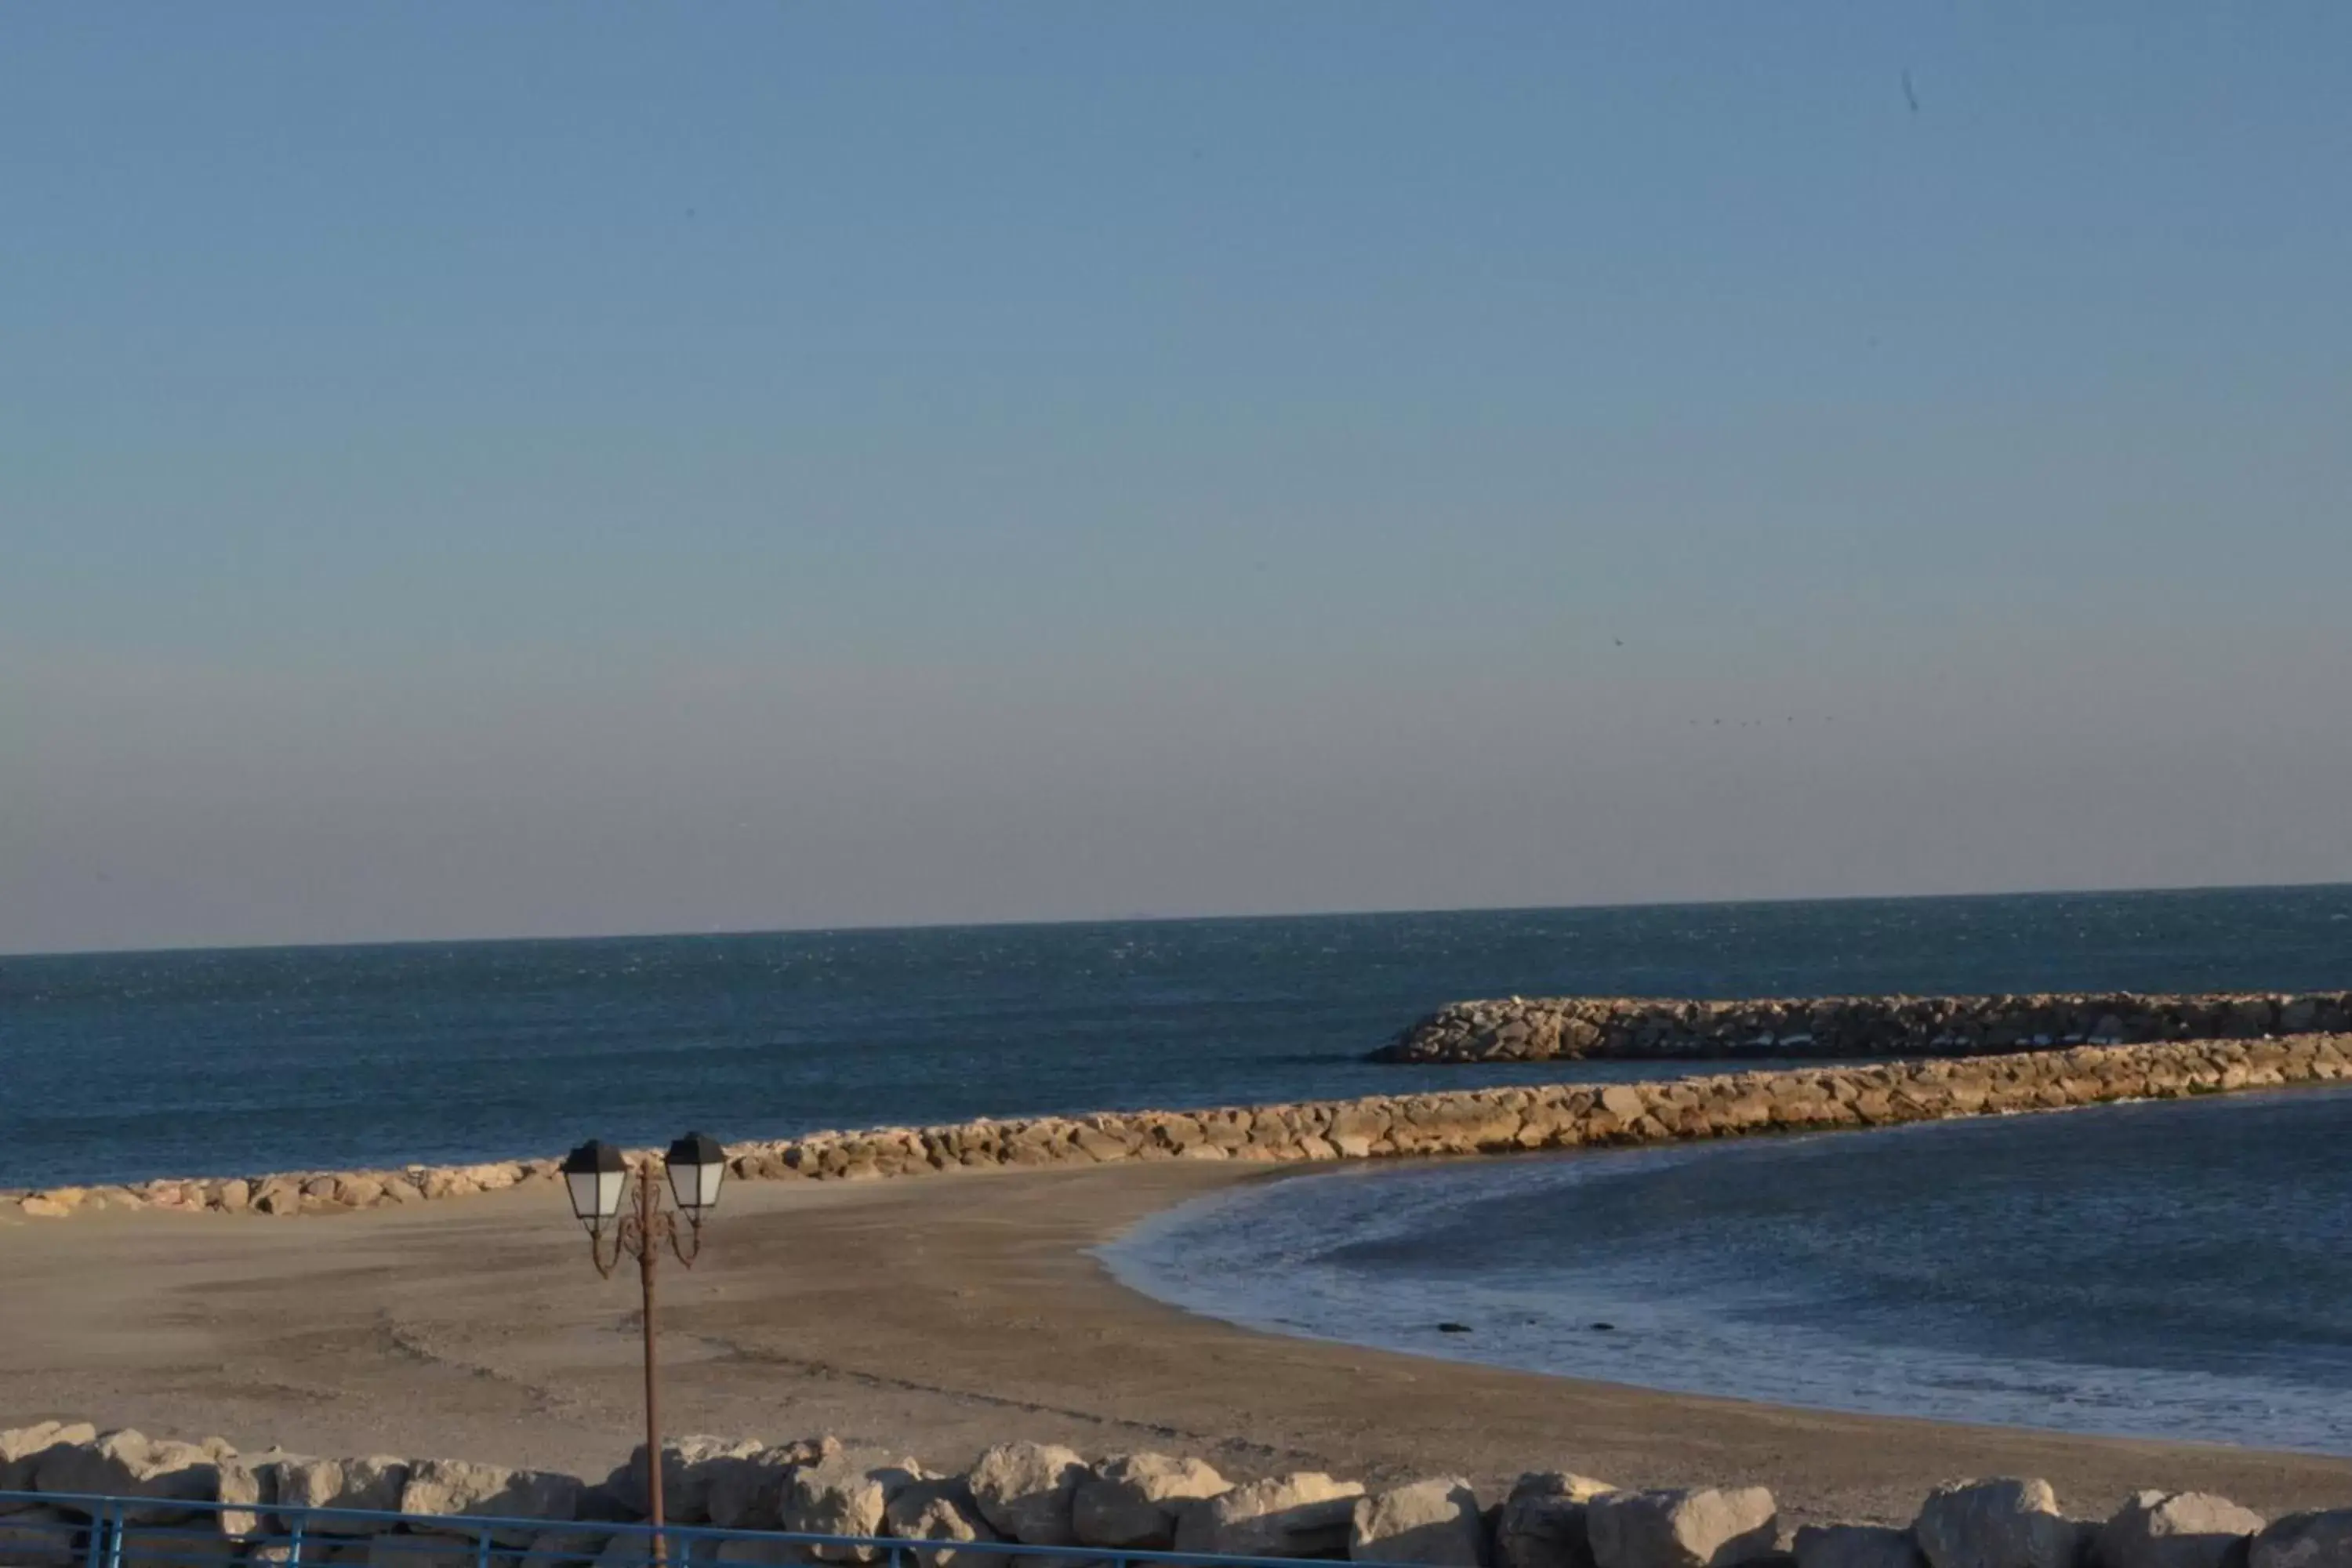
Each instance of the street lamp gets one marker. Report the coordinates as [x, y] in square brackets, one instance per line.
[596, 1179]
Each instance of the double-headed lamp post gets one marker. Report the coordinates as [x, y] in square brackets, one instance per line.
[597, 1179]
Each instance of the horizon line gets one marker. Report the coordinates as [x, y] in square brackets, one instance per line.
[857, 927]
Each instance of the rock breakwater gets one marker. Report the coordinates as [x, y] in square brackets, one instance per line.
[1464, 1121]
[205, 1504]
[1544, 1028]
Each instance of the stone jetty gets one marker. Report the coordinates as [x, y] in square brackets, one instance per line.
[1516, 1119]
[1520, 1028]
[205, 1502]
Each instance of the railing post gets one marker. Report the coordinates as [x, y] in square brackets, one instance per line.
[114, 1540]
[294, 1539]
[482, 1548]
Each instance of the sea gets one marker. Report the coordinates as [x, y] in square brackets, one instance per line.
[2172, 1269]
[2180, 1271]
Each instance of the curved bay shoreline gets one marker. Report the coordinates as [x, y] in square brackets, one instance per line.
[2145, 1269]
[944, 1316]
[935, 1318]
[1465, 1121]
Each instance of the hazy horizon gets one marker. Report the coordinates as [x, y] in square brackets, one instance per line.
[1144, 918]
[529, 471]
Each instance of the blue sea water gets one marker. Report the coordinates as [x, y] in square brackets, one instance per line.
[123, 1065]
[2173, 1269]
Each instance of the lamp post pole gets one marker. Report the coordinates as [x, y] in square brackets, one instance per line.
[647, 1199]
[597, 1178]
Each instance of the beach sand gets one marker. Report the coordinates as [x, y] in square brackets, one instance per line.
[933, 1316]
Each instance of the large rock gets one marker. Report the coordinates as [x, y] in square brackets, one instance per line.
[23, 1449]
[844, 1494]
[129, 1464]
[560, 1549]
[746, 1493]
[1856, 1546]
[1433, 1521]
[938, 1510]
[39, 1538]
[2176, 1530]
[690, 1467]
[2305, 1541]
[1304, 1514]
[391, 1551]
[1025, 1491]
[762, 1553]
[318, 1552]
[243, 1485]
[1133, 1500]
[372, 1483]
[2007, 1523]
[448, 1487]
[629, 1549]
[192, 1544]
[1701, 1528]
[1542, 1523]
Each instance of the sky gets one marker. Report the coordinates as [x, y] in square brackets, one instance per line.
[476, 471]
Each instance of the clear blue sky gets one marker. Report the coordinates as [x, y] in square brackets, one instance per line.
[477, 470]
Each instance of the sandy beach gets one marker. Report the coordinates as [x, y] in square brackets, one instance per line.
[932, 1316]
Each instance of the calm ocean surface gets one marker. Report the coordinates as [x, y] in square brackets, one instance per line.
[118, 1066]
[2182, 1269]
[2178, 1270]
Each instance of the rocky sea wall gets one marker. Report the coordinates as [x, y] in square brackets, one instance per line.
[1518, 1028]
[204, 1505]
[1461, 1121]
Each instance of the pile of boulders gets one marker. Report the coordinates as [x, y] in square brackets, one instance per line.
[310, 1192]
[1519, 1028]
[1053, 1501]
[1461, 1121]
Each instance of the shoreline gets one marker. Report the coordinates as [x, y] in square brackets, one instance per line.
[934, 1318]
[1407, 1259]
[1447, 1122]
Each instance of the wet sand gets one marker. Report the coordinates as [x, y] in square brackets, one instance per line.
[934, 1316]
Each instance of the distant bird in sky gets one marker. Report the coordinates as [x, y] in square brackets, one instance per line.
[1910, 96]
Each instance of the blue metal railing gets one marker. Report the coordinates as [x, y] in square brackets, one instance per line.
[60, 1529]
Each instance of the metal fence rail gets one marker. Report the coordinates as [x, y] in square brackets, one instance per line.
[52, 1530]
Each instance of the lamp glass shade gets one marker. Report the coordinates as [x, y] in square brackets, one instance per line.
[593, 1176]
[697, 1164]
